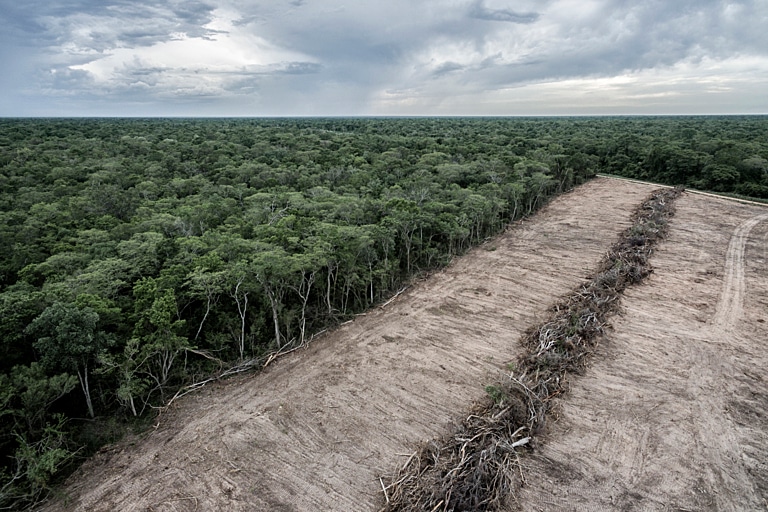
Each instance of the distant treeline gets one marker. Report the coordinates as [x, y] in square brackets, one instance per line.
[138, 256]
[715, 153]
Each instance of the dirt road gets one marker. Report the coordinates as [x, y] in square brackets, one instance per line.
[729, 307]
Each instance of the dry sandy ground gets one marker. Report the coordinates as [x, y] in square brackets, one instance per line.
[317, 428]
[673, 414]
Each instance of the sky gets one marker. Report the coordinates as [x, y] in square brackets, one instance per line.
[382, 57]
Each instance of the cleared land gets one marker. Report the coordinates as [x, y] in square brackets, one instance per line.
[315, 430]
[673, 415]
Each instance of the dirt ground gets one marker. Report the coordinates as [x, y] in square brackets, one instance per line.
[673, 415]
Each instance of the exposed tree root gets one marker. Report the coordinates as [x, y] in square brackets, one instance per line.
[477, 467]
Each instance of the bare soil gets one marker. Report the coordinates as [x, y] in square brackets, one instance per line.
[673, 415]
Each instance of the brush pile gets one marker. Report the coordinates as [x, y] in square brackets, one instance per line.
[477, 467]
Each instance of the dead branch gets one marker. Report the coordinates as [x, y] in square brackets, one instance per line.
[392, 299]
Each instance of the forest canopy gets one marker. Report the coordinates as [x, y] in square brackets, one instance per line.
[140, 255]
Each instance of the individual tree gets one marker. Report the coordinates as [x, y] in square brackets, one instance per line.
[304, 267]
[128, 368]
[239, 288]
[269, 268]
[403, 218]
[158, 331]
[207, 282]
[69, 339]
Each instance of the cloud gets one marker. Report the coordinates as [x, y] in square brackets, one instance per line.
[299, 68]
[586, 39]
[69, 80]
[447, 67]
[214, 62]
[696, 86]
[481, 12]
[334, 57]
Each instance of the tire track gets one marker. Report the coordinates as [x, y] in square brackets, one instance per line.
[729, 307]
[709, 361]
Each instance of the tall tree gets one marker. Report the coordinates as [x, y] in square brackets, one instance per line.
[68, 339]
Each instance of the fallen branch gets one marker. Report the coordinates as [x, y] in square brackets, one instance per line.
[391, 299]
[384, 489]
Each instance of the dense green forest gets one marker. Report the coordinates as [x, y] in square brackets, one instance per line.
[138, 256]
